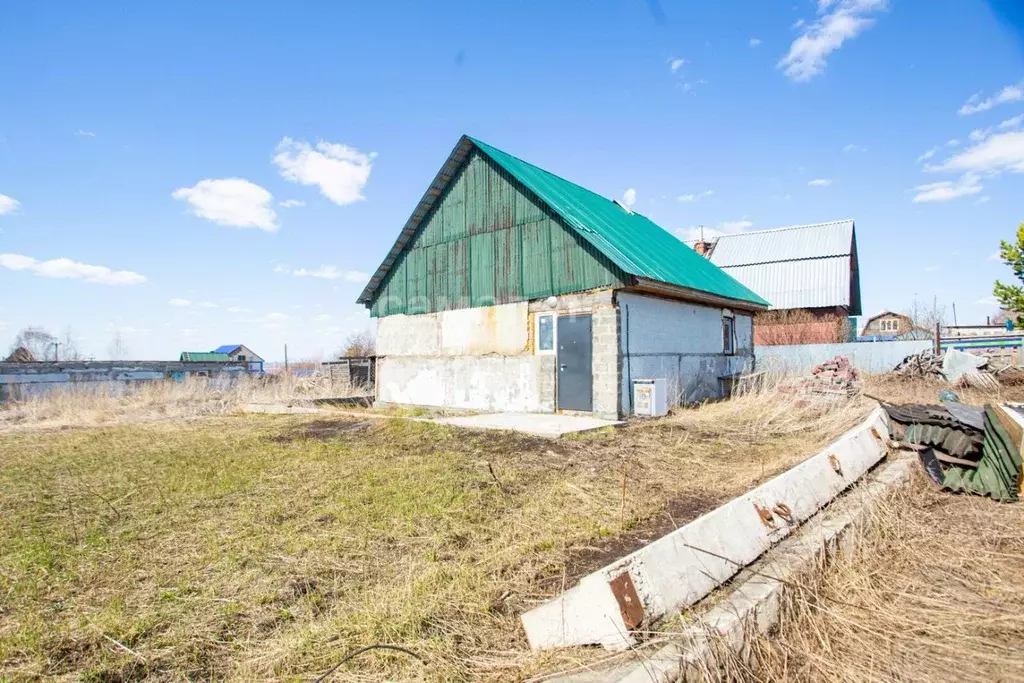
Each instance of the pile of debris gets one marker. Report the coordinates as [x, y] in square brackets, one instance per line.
[953, 366]
[834, 378]
[962, 448]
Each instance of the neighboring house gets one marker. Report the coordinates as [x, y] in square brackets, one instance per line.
[889, 325]
[512, 289]
[810, 270]
[228, 353]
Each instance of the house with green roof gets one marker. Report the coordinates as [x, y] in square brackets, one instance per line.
[512, 289]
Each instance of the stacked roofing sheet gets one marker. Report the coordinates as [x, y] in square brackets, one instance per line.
[804, 266]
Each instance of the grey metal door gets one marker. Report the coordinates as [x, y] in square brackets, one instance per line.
[575, 376]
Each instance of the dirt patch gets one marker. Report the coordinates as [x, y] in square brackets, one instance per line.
[323, 430]
[587, 559]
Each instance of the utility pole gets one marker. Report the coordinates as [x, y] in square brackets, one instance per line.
[286, 359]
[56, 351]
[955, 323]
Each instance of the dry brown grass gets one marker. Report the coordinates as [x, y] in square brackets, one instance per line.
[931, 591]
[191, 398]
[895, 389]
[266, 547]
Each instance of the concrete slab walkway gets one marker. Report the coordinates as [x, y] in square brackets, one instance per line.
[538, 424]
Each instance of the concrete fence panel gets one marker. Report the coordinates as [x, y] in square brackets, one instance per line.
[872, 357]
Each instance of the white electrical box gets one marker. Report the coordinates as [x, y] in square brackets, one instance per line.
[650, 397]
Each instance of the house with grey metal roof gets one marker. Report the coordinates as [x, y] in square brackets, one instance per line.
[512, 289]
[812, 267]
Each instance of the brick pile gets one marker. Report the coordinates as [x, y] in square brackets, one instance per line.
[834, 378]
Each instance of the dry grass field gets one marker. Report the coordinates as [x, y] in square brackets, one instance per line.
[266, 547]
[931, 592]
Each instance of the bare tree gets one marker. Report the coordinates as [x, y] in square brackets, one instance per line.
[925, 317]
[38, 342]
[361, 343]
[117, 349]
[68, 348]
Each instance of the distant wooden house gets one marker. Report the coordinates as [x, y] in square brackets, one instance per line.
[889, 325]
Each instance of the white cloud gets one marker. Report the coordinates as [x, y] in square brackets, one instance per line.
[983, 200]
[275, 317]
[979, 134]
[694, 197]
[338, 170]
[332, 273]
[947, 189]
[724, 228]
[854, 148]
[291, 203]
[676, 63]
[85, 133]
[230, 201]
[928, 155]
[207, 304]
[237, 309]
[64, 268]
[322, 318]
[629, 197]
[754, 42]
[1010, 124]
[820, 182]
[987, 301]
[974, 104]
[953, 143]
[8, 204]
[840, 21]
[931, 269]
[180, 303]
[999, 153]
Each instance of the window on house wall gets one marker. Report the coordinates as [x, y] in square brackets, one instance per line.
[545, 333]
[241, 356]
[728, 335]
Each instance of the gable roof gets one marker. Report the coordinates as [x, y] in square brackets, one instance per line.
[802, 266]
[227, 348]
[634, 243]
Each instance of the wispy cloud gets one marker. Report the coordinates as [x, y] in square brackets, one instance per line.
[64, 268]
[230, 201]
[85, 133]
[931, 269]
[987, 301]
[975, 103]
[983, 200]
[1010, 124]
[854, 148]
[996, 154]
[946, 190]
[237, 309]
[928, 154]
[838, 22]
[754, 42]
[179, 303]
[207, 304]
[8, 204]
[995, 256]
[629, 197]
[695, 197]
[711, 232]
[332, 273]
[338, 170]
[676, 63]
[291, 203]
[820, 182]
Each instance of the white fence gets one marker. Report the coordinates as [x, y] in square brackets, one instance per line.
[869, 357]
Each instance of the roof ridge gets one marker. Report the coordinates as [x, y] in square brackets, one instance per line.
[487, 146]
[784, 228]
[787, 260]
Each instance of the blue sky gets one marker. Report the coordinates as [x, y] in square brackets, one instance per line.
[194, 174]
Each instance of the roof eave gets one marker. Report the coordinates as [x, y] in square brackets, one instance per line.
[695, 295]
[437, 187]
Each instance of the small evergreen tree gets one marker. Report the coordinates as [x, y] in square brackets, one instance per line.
[1011, 297]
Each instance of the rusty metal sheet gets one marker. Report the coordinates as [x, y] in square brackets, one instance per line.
[629, 602]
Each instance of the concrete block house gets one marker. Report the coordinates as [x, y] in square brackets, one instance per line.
[512, 289]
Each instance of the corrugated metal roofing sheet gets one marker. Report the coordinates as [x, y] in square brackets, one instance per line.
[809, 283]
[227, 348]
[634, 243]
[784, 244]
[204, 357]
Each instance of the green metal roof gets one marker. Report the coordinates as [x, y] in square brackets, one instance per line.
[631, 241]
[204, 357]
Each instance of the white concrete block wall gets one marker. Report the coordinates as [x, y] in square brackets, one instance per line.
[463, 332]
[681, 342]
